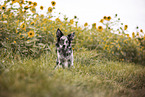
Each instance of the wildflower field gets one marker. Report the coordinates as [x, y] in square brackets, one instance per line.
[108, 61]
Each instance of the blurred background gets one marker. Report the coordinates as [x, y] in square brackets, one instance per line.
[130, 12]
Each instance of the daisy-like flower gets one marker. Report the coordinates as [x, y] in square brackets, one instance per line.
[26, 7]
[105, 18]
[86, 24]
[23, 26]
[3, 7]
[137, 34]
[41, 7]
[30, 2]
[33, 10]
[102, 20]
[14, 1]
[71, 21]
[133, 34]
[94, 25]
[125, 27]
[108, 18]
[100, 28]
[141, 30]
[31, 34]
[50, 9]
[35, 4]
[57, 19]
[53, 3]
[21, 2]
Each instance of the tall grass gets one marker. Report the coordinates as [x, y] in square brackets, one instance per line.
[27, 33]
[108, 62]
[93, 76]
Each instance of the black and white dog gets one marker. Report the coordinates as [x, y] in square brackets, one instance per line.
[64, 49]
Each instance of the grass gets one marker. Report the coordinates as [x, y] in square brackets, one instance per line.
[93, 76]
[24, 33]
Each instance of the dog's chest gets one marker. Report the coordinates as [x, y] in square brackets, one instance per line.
[64, 53]
[65, 58]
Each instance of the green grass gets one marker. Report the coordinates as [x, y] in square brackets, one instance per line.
[93, 76]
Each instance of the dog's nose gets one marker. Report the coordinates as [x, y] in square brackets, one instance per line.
[63, 46]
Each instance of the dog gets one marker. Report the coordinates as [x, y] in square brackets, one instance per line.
[64, 50]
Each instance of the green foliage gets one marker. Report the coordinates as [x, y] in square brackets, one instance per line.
[24, 32]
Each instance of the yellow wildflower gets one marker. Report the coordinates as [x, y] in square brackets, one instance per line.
[125, 27]
[133, 34]
[3, 7]
[100, 28]
[33, 10]
[21, 2]
[34, 4]
[31, 34]
[102, 20]
[94, 25]
[26, 7]
[41, 7]
[105, 18]
[53, 3]
[137, 34]
[141, 30]
[71, 21]
[30, 2]
[86, 24]
[108, 18]
[14, 1]
[50, 9]
[23, 26]
[58, 20]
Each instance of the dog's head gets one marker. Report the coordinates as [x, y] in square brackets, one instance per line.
[63, 42]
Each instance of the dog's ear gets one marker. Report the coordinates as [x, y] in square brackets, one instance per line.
[71, 36]
[59, 33]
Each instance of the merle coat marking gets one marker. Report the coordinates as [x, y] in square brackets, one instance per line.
[64, 49]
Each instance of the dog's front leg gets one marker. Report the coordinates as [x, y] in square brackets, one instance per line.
[62, 63]
[57, 63]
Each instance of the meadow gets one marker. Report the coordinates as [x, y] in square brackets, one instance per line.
[108, 62]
